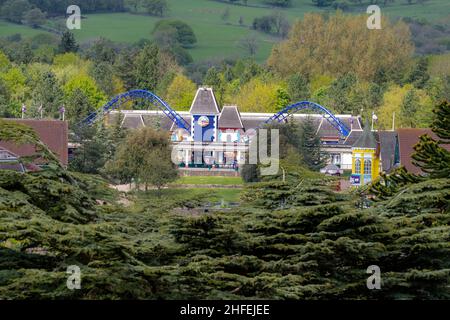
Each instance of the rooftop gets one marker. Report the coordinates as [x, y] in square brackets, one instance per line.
[407, 138]
[367, 140]
[53, 133]
[204, 103]
[230, 118]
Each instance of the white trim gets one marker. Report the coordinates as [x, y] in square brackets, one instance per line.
[212, 94]
[242, 114]
[319, 126]
[237, 111]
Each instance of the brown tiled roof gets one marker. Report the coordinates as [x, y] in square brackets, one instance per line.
[407, 138]
[53, 133]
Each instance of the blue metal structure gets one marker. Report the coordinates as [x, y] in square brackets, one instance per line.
[335, 122]
[134, 95]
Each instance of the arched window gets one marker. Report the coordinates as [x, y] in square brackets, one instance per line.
[357, 166]
[367, 166]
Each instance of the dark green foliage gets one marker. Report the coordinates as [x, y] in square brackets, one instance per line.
[184, 35]
[296, 239]
[441, 123]
[97, 145]
[322, 251]
[143, 157]
[429, 154]
[279, 3]
[249, 173]
[14, 10]
[409, 108]
[298, 88]
[310, 147]
[21, 134]
[419, 74]
[68, 43]
[102, 50]
[156, 7]
[45, 192]
[318, 247]
[339, 93]
[388, 185]
[146, 73]
[47, 92]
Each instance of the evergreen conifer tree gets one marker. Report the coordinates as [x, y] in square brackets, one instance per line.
[429, 154]
[68, 43]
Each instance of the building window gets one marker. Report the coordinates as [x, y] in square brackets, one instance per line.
[357, 166]
[336, 159]
[367, 166]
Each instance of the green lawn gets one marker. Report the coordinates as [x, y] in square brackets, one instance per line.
[7, 29]
[179, 197]
[218, 38]
[209, 180]
[225, 194]
[432, 10]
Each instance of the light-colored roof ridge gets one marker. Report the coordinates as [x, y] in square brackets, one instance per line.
[209, 89]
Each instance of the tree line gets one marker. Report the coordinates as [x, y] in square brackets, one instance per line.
[35, 12]
[346, 76]
[346, 4]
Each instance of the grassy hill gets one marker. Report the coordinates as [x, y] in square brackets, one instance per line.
[217, 38]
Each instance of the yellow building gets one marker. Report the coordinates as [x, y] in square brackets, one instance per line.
[365, 158]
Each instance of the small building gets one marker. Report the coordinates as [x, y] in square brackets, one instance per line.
[332, 170]
[365, 158]
[53, 133]
[10, 161]
[219, 137]
[407, 139]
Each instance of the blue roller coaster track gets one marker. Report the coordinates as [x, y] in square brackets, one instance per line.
[330, 117]
[134, 95]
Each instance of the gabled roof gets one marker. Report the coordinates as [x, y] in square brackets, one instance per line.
[407, 138]
[204, 103]
[230, 118]
[133, 122]
[388, 141]
[6, 155]
[367, 140]
[186, 117]
[53, 133]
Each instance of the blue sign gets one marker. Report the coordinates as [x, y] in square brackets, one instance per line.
[355, 179]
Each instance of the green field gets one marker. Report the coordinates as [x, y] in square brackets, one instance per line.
[209, 180]
[175, 197]
[7, 29]
[226, 195]
[218, 38]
